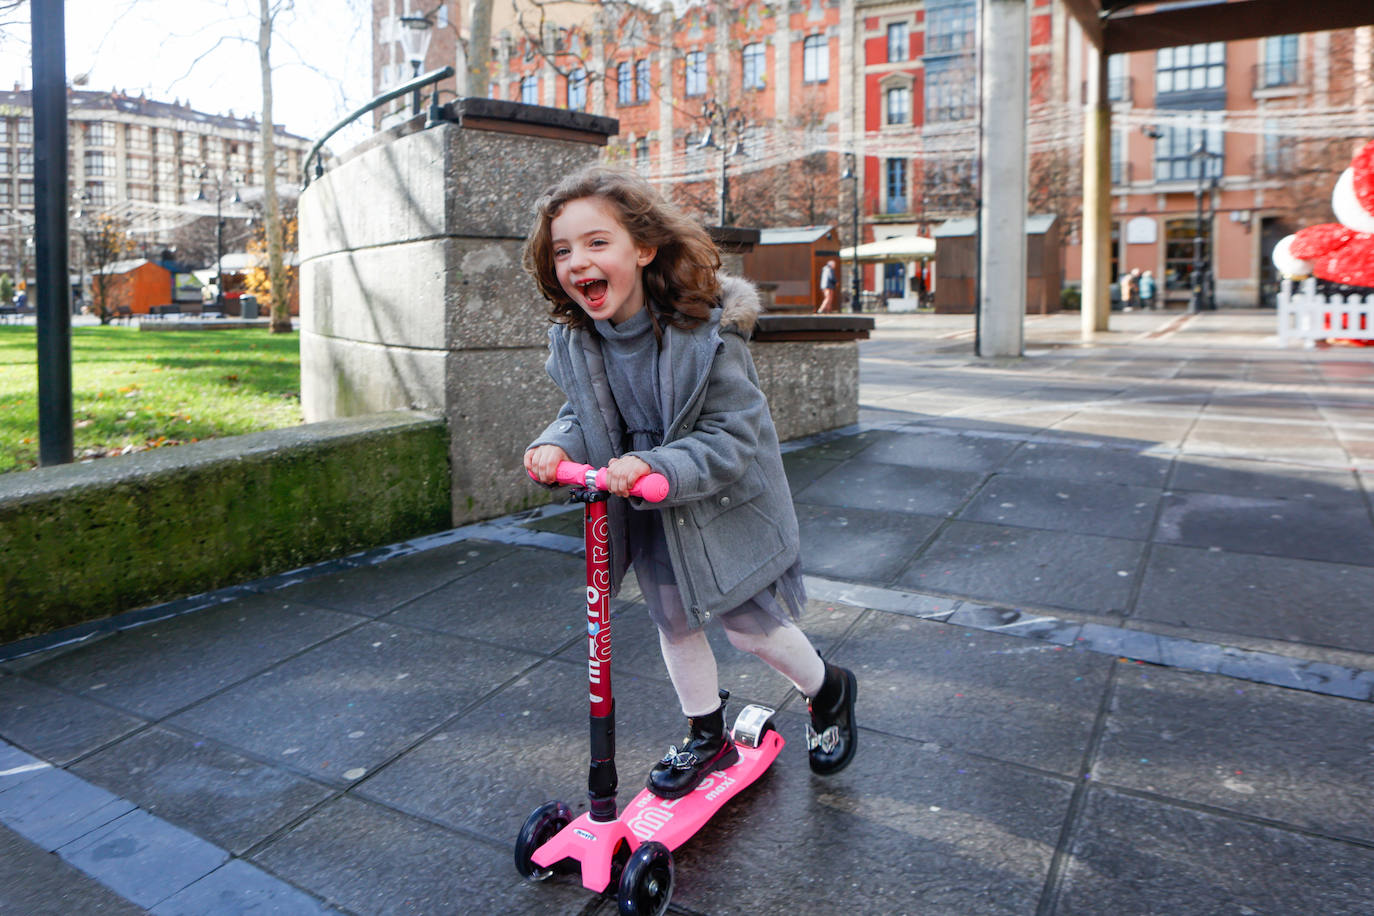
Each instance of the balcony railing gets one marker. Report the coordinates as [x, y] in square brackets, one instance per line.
[1275, 74]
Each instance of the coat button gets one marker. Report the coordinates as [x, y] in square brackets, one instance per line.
[725, 500]
[567, 425]
[706, 616]
[681, 521]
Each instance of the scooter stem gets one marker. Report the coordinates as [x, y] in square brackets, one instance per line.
[601, 777]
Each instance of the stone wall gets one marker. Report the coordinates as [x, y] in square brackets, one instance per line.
[83, 541]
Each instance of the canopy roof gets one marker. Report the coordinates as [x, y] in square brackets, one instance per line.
[901, 248]
[1121, 26]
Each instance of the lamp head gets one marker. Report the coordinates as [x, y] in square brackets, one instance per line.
[415, 34]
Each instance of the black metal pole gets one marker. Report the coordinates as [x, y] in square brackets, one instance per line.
[1195, 301]
[857, 305]
[50, 232]
[219, 247]
[415, 97]
[724, 177]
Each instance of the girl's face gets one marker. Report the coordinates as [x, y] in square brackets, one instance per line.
[598, 265]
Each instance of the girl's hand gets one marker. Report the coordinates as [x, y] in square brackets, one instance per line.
[542, 462]
[621, 474]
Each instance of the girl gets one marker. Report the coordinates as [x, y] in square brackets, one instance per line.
[649, 346]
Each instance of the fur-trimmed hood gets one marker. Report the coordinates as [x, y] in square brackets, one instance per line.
[740, 305]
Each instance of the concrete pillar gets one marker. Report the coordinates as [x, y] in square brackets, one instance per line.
[412, 293]
[1002, 241]
[1097, 198]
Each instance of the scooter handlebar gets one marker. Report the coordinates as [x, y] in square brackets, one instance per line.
[652, 487]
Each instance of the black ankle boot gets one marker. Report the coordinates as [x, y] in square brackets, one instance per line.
[831, 736]
[707, 747]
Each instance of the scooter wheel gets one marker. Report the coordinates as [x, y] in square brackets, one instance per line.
[646, 884]
[539, 828]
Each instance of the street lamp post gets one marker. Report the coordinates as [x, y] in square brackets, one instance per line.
[726, 122]
[1201, 156]
[221, 180]
[851, 173]
[415, 35]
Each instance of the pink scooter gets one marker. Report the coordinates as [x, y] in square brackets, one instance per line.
[631, 850]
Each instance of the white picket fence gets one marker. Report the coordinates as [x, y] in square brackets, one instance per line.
[1304, 315]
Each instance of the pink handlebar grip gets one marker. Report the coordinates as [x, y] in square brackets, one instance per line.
[651, 487]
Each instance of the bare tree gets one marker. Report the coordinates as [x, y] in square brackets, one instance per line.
[105, 240]
[281, 308]
[479, 49]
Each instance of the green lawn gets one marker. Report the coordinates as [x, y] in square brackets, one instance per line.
[134, 390]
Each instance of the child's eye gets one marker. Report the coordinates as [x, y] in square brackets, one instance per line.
[560, 252]
[598, 243]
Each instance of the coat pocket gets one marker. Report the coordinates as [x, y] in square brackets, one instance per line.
[737, 536]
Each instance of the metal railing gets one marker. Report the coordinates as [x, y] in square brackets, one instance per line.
[406, 88]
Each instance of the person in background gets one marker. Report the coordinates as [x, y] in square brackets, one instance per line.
[1147, 291]
[1130, 290]
[828, 285]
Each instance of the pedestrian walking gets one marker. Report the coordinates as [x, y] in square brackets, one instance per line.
[1147, 291]
[650, 348]
[828, 284]
[1130, 289]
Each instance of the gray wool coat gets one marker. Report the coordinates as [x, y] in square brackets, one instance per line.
[730, 524]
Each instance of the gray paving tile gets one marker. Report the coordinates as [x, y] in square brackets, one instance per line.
[907, 828]
[1336, 532]
[347, 706]
[837, 449]
[860, 544]
[56, 725]
[224, 797]
[408, 866]
[1122, 428]
[1271, 597]
[1016, 700]
[1268, 752]
[1297, 442]
[1085, 464]
[803, 468]
[1110, 510]
[34, 882]
[160, 667]
[925, 447]
[548, 589]
[892, 488]
[1131, 855]
[143, 858]
[239, 888]
[1025, 565]
[1267, 479]
[375, 590]
[51, 807]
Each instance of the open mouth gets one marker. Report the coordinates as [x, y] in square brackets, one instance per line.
[594, 291]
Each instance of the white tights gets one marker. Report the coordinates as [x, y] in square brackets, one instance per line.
[692, 665]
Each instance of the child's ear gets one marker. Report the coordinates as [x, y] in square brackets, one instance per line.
[646, 256]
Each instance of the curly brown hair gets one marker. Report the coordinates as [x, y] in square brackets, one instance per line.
[680, 283]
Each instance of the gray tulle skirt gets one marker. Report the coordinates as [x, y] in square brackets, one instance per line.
[777, 605]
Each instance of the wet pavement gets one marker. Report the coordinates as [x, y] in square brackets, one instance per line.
[1109, 606]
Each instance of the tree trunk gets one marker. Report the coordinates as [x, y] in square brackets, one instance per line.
[276, 273]
[479, 49]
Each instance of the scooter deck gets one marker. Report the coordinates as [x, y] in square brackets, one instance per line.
[648, 817]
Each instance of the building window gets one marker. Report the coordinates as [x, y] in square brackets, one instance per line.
[755, 66]
[97, 163]
[625, 83]
[1118, 83]
[577, 90]
[4, 130]
[443, 15]
[1178, 252]
[140, 192]
[894, 281]
[642, 80]
[1280, 67]
[949, 25]
[815, 59]
[950, 90]
[896, 186]
[6, 192]
[529, 90]
[26, 193]
[137, 137]
[99, 133]
[899, 105]
[5, 164]
[138, 168]
[898, 42]
[26, 130]
[99, 193]
[1279, 152]
[1173, 153]
[696, 73]
[1191, 68]
[25, 160]
[642, 154]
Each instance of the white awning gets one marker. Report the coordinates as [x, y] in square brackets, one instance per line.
[901, 248]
